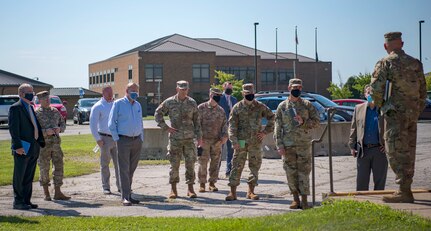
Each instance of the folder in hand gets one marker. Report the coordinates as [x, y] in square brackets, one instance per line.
[26, 145]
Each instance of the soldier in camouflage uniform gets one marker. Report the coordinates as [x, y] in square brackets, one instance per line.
[185, 127]
[294, 119]
[52, 124]
[401, 111]
[214, 134]
[246, 135]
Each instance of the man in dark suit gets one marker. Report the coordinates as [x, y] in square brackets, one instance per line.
[27, 138]
[367, 144]
[227, 102]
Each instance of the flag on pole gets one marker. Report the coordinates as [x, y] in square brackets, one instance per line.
[296, 36]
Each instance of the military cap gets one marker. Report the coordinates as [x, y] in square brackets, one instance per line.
[295, 82]
[392, 36]
[215, 91]
[248, 88]
[182, 84]
[42, 94]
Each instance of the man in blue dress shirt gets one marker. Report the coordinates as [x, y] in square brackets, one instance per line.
[367, 144]
[125, 124]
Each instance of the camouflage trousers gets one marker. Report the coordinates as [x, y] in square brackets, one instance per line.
[51, 151]
[400, 144]
[238, 162]
[297, 165]
[211, 150]
[177, 149]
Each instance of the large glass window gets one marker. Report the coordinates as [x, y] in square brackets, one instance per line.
[153, 72]
[244, 73]
[284, 76]
[130, 72]
[201, 73]
[267, 77]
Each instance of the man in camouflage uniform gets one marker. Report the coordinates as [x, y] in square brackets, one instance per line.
[401, 111]
[52, 124]
[246, 135]
[294, 119]
[185, 127]
[214, 134]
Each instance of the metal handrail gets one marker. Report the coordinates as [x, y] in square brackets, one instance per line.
[331, 113]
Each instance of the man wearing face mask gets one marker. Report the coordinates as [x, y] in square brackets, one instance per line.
[398, 88]
[52, 124]
[227, 101]
[125, 124]
[214, 134]
[294, 119]
[367, 144]
[27, 139]
[185, 127]
[246, 135]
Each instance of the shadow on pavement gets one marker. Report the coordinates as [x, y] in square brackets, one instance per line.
[168, 206]
[78, 204]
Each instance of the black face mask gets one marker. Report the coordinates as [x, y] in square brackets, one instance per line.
[228, 91]
[249, 97]
[216, 98]
[29, 96]
[295, 93]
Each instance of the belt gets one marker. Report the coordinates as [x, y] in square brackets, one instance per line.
[103, 134]
[130, 137]
[371, 145]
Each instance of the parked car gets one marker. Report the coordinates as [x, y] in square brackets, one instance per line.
[344, 111]
[54, 101]
[426, 113]
[82, 109]
[349, 102]
[5, 102]
[429, 94]
[272, 103]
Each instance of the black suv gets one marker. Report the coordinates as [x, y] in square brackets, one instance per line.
[82, 109]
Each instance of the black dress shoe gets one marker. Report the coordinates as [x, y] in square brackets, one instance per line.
[126, 202]
[134, 201]
[33, 206]
[21, 207]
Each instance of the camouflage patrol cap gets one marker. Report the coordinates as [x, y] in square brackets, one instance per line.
[42, 94]
[215, 91]
[295, 82]
[248, 88]
[392, 36]
[182, 84]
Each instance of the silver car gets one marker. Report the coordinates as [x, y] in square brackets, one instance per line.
[5, 102]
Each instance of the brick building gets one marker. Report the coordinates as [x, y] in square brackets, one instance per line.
[162, 62]
[9, 83]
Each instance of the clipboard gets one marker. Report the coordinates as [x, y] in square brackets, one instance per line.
[26, 145]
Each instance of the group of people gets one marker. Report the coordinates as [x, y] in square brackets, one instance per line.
[386, 124]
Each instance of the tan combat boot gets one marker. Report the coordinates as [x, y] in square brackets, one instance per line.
[213, 188]
[174, 193]
[191, 192]
[202, 188]
[304, 202]
[46, 192]
[404, 195]
[251, 194]
[232, 194]
[58, 195]
[295, 203]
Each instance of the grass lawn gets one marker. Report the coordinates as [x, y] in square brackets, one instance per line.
[339, 215]
[79, 158]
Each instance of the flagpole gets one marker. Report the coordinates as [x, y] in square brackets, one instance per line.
[317, 60]
[296, 51]
[276, 57]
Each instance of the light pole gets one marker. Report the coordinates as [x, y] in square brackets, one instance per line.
[420, 39]
[255, 55]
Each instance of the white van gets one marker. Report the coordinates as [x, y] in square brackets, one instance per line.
[5, 102]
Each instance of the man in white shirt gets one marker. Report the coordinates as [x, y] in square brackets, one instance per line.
[99, 128]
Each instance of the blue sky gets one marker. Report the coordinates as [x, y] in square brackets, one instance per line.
[56, 40]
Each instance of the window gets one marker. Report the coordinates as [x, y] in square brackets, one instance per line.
[130, 72]
[267, 77]
[97, 78]
[104, 77]
[153, 72]
[244, 73]
[112, 77]
[284, 76]
[90, 80]
[201, 73]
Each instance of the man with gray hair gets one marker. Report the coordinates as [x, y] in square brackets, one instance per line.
[27, 139]
[125, 124]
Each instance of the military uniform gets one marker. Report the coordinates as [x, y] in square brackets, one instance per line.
[214, 128]
[50, 118]
[184, 117]
[245, 122]
[401, 109]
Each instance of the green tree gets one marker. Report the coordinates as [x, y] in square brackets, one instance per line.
[222, 77]
[340, 91]
[428, 80]
[361, 81]
[351, 81]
